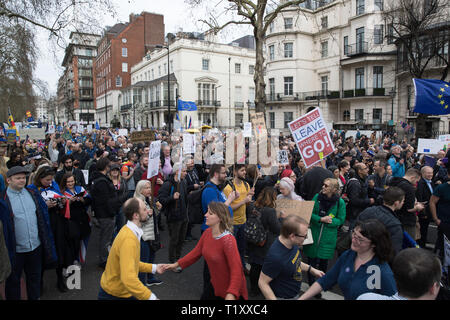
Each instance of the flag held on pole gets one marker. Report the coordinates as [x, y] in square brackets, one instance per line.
[432, 96]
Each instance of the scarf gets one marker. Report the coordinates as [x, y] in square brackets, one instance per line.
[325, 203]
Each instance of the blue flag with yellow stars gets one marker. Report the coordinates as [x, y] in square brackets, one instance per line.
[432, 96]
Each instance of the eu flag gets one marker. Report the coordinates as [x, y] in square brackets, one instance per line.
[432, 96]
[186, 105]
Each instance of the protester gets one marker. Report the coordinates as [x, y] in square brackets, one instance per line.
[397, 162]
[218, 247]
[105, 204]
[327, 216]
[28, 237]
[265, 206]
[121, 187]
[281, 274]
[370, 250]
[166, 162]
[377, 182]
[417, 274]
[151, 238]
[127, 172]
[313, 180]
[424, 190]
[67, 161]
[120, 279]
[192, 183]
[287, 189]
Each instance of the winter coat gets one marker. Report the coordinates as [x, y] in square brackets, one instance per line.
[357, 194]
[324, 247]
[406, 218]
[5, 264]
[105, 201]
[175, 210]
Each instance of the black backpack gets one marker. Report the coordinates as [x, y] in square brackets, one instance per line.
[194, 205]
[254, 230]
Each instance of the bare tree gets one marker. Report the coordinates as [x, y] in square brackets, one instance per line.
[421, 31]
[258, 14]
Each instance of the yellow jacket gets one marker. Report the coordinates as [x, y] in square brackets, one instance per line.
[120, 278]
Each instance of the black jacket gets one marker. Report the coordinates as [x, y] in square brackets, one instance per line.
[175, 210]
[312, 182]
[406, 218]
[192, 178]
[357, 195]
[78, 174]
[105, 201]
[423, 194]
[82, 157]
[390, 220]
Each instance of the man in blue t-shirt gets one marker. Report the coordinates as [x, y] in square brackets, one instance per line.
[440, 211]
[281, 275]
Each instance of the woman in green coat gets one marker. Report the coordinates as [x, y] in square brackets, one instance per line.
[328, 214]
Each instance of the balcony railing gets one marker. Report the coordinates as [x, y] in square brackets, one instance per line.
[363, 92]
[212, 103]
[238, 104]
[357, 48]
[329, 94]
[125, 107]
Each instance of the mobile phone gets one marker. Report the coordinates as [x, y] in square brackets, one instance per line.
[79, 195]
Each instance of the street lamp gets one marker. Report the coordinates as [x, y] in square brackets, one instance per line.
[229, 92]
[106, 106]
[392, 93]
[168, 81]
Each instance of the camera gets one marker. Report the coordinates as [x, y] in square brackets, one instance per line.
[59, 202]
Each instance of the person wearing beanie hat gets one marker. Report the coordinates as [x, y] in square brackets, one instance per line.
[287, 190]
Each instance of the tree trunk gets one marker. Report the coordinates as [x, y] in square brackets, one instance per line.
[260, 85]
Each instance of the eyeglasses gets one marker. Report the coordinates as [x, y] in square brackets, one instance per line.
[358, 238]
[300, 236]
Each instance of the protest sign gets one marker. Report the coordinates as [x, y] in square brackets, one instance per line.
[283, 157]
[34, 133]
[429, 146]
[142, 136]
[80, 129]
[188, 143]
[51, 128]
[247, 129]
[153, 159]
[123, 132]
[89, 128]
[303, 209]
[311, 137]
[11, 136]
[259, 125]
[446, 139]
[86, 175]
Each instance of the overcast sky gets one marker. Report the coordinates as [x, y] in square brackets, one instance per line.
[177, 15]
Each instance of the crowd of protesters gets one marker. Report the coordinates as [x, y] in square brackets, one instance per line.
[373, 198]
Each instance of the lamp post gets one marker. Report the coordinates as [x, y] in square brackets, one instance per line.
[106, 106]
[392, 93]
[229, 92]
[168, 81]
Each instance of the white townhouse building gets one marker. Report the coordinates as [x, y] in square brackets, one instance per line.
[332, 54]
[217, 77]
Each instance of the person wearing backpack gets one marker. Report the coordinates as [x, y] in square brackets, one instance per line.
[238, 206]
[267, 215]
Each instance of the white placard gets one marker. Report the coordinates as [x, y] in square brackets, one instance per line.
[188, 143]
[283, 157]
[80, 129]
[89, 128]
[153, 159]
[430, 146]
[86, 175]
[51, 129]
[176, 125]
[123, 132]
[247, 130]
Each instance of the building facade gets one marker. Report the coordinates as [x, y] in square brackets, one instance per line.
[333, 55]
[41, 109]
[120, 47]
[76, 86]
[218, 77]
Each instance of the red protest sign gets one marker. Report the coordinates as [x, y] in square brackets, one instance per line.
[311, 137]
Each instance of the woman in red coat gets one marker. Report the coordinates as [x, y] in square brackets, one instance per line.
[217, 246]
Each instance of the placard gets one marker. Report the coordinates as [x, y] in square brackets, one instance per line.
[283, 157]
[429, 146]
[303, 209]
[86, 176]
[247, 130]
[123, 132]
[89, 128]
[188, 143]
[153, 159]
[34, 133]
[259, 125]
[446, 139]
[11, 135]
[312, 137]
[51, 129]
[142, 136]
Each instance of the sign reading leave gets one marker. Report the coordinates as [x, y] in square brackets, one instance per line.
[311, 137]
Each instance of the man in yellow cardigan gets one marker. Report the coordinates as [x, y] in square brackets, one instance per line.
[120, 279]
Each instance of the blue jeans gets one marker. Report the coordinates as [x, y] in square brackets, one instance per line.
[238, 231]
[147, 256]
[31, 263]
[102, 295]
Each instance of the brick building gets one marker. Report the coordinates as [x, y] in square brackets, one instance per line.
[120, 47]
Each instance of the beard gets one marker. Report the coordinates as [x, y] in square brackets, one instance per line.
[68, 168]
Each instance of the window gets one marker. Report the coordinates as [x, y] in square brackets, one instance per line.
[379, 5]
[171, 65]
[360, 40]
[287, 23]
[153, 74]
[272, 89]
[390, 34]
[251, 69]
[124, 52]
[359, 78]
[237, 68]
[324, 49]
[124, 67]
[360, 7]
[378, 34]
[239, 119]
[271, 52]
[346, 115]
[324, 22]
[377, 116]
[288, 117]
[251, 94]
[378, 77]
[205, 64]
[238, 97]
[159, 70]
[165, 68]
[272, 120]
[324, 81]
[288, 50]
[288, 86]
[346, 45]
[206, 93]
[359, 114]
[271, 27]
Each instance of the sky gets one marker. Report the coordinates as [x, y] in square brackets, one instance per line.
[177, 16]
